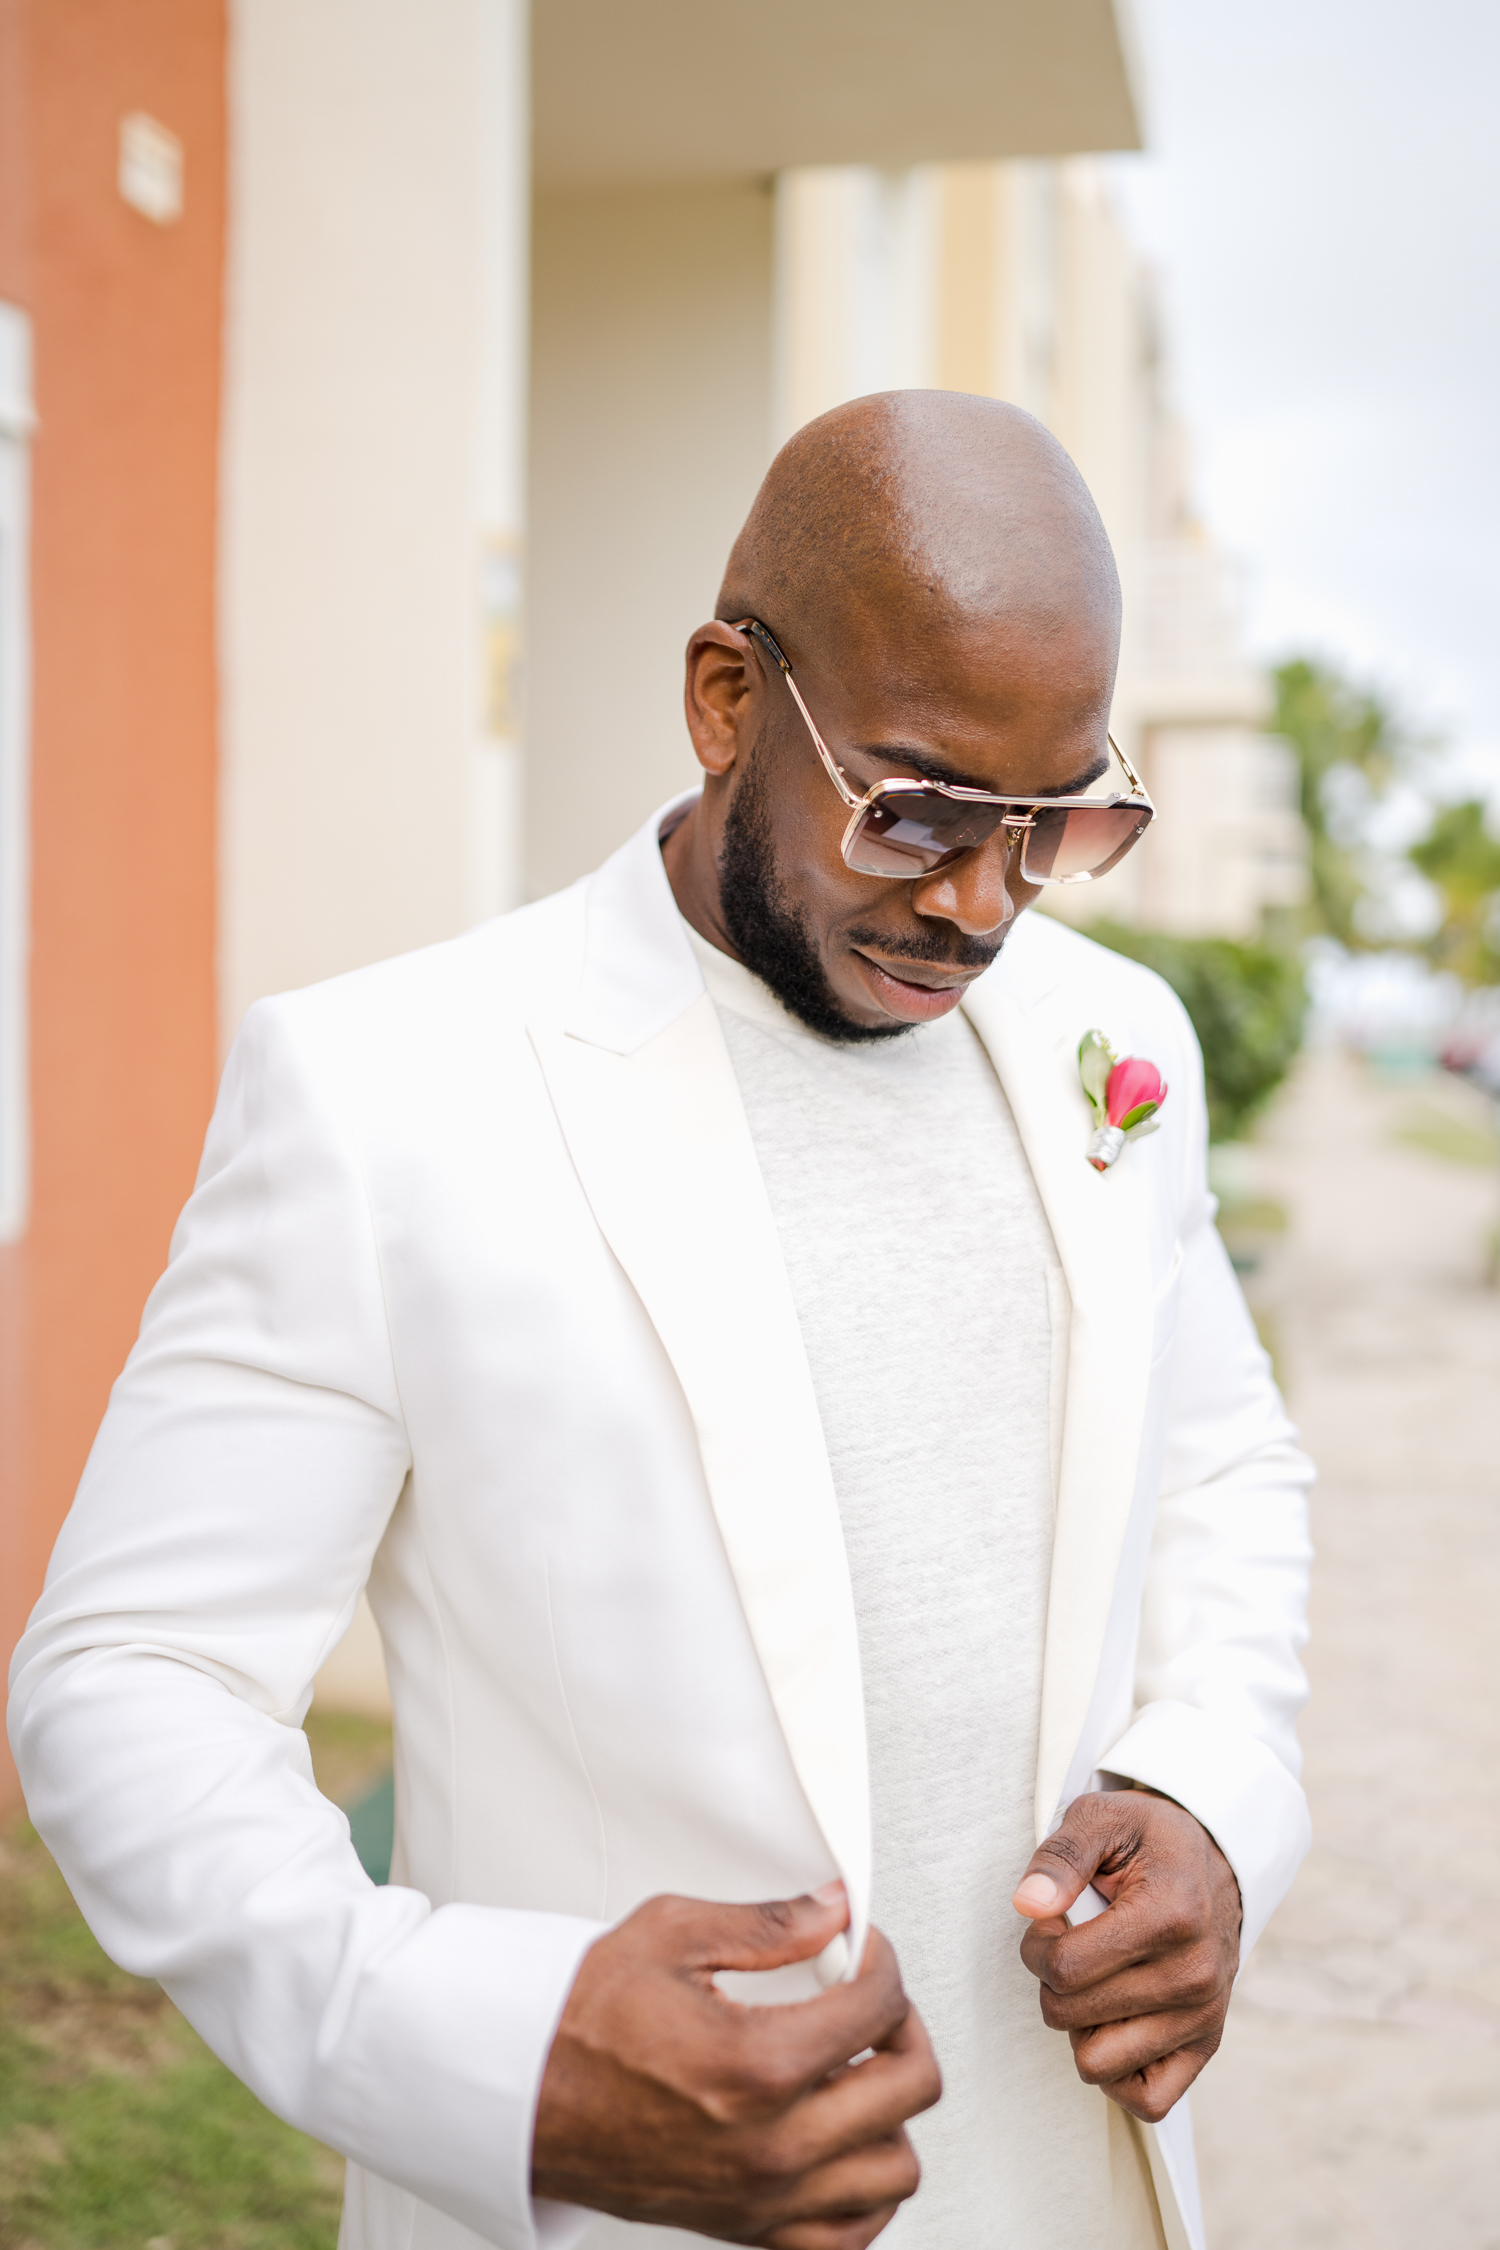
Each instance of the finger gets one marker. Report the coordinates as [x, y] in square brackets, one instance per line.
[1144, 1922]
[798, 2044]
[1157, 1922]
[1085, 1959]
[703, 1936]
[831, 2234]
[1150, 2093]
[1117, 2051]
[864, 2103]
[884, 2172]
[1189, 1979]
[839, 2197]
[1093, 1830]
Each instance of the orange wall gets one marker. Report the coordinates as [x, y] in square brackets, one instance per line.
[126, 328]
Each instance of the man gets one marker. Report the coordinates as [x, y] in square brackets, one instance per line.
[784, 1469]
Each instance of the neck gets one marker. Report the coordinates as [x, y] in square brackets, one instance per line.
[690, 855]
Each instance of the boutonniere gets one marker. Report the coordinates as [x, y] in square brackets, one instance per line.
[1123, 1095]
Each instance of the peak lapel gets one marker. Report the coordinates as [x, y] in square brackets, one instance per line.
[1098, 1225]
[646, 1097]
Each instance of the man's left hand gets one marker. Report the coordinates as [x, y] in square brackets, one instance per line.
[1141, 1991]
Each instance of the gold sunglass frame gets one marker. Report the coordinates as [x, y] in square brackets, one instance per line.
[1020, 816]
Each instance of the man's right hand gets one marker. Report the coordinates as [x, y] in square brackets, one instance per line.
[666, 2103]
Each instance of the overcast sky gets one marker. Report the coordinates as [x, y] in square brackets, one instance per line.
[1322, 197]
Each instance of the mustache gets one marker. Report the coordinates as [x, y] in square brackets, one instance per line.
[958, 952]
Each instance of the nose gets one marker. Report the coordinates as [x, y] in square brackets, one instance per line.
[971, 891]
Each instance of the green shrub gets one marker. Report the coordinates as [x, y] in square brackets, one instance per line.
[1247, 1003]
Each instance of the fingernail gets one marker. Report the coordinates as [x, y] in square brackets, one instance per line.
[829, 1894]
[1037, 1890]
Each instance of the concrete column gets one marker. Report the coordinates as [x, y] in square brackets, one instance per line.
[372, 487]
[650, 430]
[857, 277]
[502, 91]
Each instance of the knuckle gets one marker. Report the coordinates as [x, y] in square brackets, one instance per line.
[767, 2165]
[884, 2008]
[1059, 1975]
[733, 2108]
[761, 2079]
[858, 2233]
[883, 1971]
[1176, 1924]
[774, 2083]
[1098, 1812]
[670, 1922]
[879, 1951]
[1071, 1849]
[775, 1916]
[723, 2101]
[906, 2172]
[1203, 1977]
[1036, 1952]
[922, 2088]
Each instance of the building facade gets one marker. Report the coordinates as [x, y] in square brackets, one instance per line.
[112, 252]
[380, 385]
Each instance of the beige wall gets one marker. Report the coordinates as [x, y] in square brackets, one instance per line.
[650, 430]
[1230, 841]
[372, 560]
[857, 265]
[376, 301]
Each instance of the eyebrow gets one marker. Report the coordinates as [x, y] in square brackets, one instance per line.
[928, 768]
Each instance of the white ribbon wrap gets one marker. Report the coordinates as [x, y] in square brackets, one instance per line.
[1104, 1146]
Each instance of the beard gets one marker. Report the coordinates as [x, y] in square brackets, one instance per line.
[771, 935]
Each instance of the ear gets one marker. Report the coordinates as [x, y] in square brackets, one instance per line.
[720, 695]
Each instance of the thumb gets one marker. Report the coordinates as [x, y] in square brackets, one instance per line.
[1058, 1871]
[771, 1934]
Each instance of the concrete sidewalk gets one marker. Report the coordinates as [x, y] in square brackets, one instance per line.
[1356, 2100]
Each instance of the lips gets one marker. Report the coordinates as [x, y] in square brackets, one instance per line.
[919, 993]
[934, 980]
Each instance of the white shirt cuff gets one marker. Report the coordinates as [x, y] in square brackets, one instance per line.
[1238, 1788]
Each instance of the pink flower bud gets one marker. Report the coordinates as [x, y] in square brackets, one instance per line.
[1134, 1092]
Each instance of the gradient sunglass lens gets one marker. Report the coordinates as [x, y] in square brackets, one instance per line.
[909, 832]
[1076, 844]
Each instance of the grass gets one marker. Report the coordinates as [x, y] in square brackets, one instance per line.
[1246, 1226]
[1425, 1125]
[117, 2126]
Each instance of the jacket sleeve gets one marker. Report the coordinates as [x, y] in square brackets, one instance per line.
[244, 1474]
[1219, 1684]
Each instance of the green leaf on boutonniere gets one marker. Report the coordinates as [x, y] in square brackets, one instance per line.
[1096, 1059]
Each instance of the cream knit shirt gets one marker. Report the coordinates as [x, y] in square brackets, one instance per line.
[933, 1311]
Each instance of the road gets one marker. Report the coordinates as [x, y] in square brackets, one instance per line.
[1355, 2104]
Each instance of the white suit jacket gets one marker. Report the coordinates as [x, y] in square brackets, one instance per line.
[479, 1299]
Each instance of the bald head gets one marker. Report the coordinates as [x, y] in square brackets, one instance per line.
[921, 512]
[934, 569]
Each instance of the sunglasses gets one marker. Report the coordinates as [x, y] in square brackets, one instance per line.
[906, 829]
